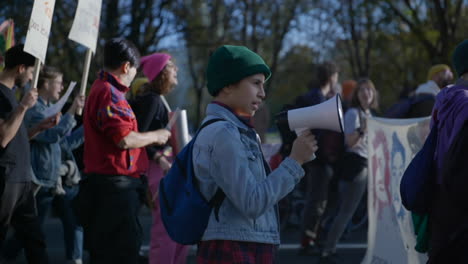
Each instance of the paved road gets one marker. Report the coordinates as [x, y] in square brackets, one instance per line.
[351, 250]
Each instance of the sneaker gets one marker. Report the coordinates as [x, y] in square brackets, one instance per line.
[308, 247]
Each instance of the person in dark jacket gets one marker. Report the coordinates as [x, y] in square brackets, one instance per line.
[321, 171]
[448, 218]
[152, 113]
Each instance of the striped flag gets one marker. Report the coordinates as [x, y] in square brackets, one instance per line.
[7, 38]
[9, 35]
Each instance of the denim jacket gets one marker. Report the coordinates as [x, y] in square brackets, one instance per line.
[227, 154]
[71, 142]
[46, 155]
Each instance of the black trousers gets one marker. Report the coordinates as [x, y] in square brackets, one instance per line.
[107, 207]
[18, 209]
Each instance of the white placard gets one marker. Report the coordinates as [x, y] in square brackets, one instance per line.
[392, 144]
[85, 26]
[37, 37]
[57, 107]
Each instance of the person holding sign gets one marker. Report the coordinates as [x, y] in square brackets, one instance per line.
[152, 114]
[114, 159]
[46, 156]
[17, 202]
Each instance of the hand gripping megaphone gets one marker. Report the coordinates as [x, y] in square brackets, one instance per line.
[327, 115]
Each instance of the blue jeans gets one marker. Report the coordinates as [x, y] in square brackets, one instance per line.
[73, 233]
[352, 194]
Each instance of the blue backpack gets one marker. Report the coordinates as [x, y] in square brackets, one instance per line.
[184, 210]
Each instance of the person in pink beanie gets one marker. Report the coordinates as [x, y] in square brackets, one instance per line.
[151, 114]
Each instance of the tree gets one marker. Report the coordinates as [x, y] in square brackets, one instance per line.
[435, 24]
[295, 74]
[260, 25]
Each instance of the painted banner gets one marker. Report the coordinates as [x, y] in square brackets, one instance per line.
[85, 26]
[392, 145]
[37, 37]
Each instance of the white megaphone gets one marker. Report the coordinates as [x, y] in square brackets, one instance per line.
[327, 115]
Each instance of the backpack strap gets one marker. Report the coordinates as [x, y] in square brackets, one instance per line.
[216, 202]
[219, 196]
[209, 122]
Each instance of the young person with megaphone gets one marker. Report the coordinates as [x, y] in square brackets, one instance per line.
[227, 155]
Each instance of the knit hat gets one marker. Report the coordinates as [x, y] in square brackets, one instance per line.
[230, 64]
[153, 64]
[460, 58]
[436, 69]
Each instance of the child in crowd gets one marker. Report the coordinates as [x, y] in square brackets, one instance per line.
[227, 156]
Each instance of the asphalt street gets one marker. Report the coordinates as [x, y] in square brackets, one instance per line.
[350, 250]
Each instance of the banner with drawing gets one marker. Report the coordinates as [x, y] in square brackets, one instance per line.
[392, 145]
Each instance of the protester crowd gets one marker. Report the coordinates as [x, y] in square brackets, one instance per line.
[127, 151]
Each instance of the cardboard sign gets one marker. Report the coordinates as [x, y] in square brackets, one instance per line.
[37, 37]
[85, 26]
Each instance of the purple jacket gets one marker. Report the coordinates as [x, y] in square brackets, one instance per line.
[450, 111]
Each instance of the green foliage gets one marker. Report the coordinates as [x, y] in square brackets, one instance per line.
[293, 78]
[394, 42]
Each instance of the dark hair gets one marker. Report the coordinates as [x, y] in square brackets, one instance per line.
[325, 72]
[47, 73]
[17, 56]
[355, 98]
[118, 51]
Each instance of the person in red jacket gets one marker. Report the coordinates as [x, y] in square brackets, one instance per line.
[114, 159]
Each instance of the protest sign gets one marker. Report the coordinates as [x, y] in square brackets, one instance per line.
[392, 145]
[85, 30]
[37, 37]
[85, 27]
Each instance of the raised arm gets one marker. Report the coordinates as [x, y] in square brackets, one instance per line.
[9, 125]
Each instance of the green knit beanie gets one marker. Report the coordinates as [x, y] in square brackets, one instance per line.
[230, 64]
[460, 58]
